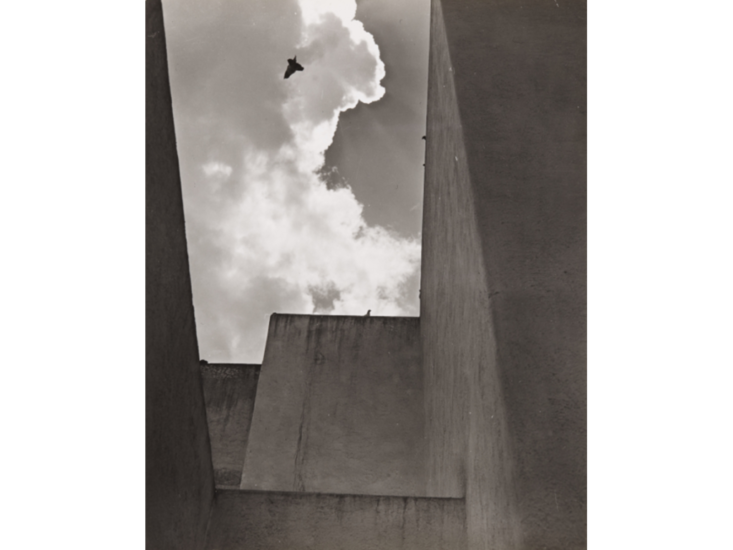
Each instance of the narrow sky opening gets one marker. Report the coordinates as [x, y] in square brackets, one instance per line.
[301, 195]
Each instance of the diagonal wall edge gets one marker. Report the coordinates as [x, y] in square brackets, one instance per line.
[179, 473]
[504, 267]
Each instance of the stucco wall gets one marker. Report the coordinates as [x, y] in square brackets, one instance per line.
[339, 407]
[229, 392]
[503, 309]
[179, 476]
[244, 520]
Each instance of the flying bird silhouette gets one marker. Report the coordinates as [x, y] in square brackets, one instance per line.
[293, 66]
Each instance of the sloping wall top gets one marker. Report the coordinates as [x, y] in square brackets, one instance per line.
[339, 407]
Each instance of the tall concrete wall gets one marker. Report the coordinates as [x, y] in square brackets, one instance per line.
[229, 392]
[245, 520]
[339, 407]
[503, 309]
[179, 475]
[459, 349]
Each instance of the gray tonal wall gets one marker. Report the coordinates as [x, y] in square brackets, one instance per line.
[339, 407]
[229, 391]
[298, 521]
[179, 475]
[504, 269]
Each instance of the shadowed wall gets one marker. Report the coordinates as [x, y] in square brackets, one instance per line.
[503, 309]
[296, 521]
[339, 407]
[179, 476]
[229, 391]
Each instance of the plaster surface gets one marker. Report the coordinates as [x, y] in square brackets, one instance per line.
[244, 520]
[339, 407]
[503, 308]
[229, 393]
[179, 477]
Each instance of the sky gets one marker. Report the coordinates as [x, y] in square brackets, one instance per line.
[301, 195]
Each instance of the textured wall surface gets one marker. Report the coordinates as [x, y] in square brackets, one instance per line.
[179, 475]
[462, 384]
[229, 391]
[503, 308]
[244, 520]
[339, 407]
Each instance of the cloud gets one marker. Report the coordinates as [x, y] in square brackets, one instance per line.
[217, 169]
[270, 229]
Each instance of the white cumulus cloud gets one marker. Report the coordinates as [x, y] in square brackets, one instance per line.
[266, 232]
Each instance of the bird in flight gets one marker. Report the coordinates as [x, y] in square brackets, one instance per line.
[293, 66]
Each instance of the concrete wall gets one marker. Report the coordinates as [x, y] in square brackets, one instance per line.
[179, 475]
[503, 308]
[229, 391]
[246, 520]
[459, 349]
[339, 407]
